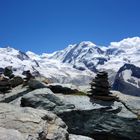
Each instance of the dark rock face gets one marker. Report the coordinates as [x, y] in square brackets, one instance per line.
[127, 80]
[79, 67]
[101, 124]
[90, 66]
[102, 61]
[22, 56]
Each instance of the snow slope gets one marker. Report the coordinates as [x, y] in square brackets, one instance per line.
[19, 60]
[125, 51]
[83, 56]
[52, 69]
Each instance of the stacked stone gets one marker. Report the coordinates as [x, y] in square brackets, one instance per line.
[100, 85]
[4, 84]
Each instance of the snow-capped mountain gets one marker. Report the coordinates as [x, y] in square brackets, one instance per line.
[38, 64]
[77, 63]
[19, 60]
[87, 55]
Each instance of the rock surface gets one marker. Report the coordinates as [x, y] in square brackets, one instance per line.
[45, 99]
[15, 93]
[78, 137]
[36, 84]
[31, 123]
[132, 102]
[101, 120]
[10, 134]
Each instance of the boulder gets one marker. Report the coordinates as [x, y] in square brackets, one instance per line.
[28, 123]
[17, 80]
[64, 89]
[8, 72]
[36, 84]
[45, 99]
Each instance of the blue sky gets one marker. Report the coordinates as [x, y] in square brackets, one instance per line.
[50, 25]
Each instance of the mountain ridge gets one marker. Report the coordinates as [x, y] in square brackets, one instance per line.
[85, 54]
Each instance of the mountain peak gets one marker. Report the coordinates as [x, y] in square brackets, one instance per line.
[9, 50]
[87, 43]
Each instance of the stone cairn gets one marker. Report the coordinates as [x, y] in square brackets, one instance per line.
[8, 80]
[100, 85]
[4, 84]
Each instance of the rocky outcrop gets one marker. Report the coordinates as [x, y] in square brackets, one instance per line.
[127, 80]
[101, 120]
[101, 124]
[28, 123]
[131, 102]
[15, 81]
[45, 99]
